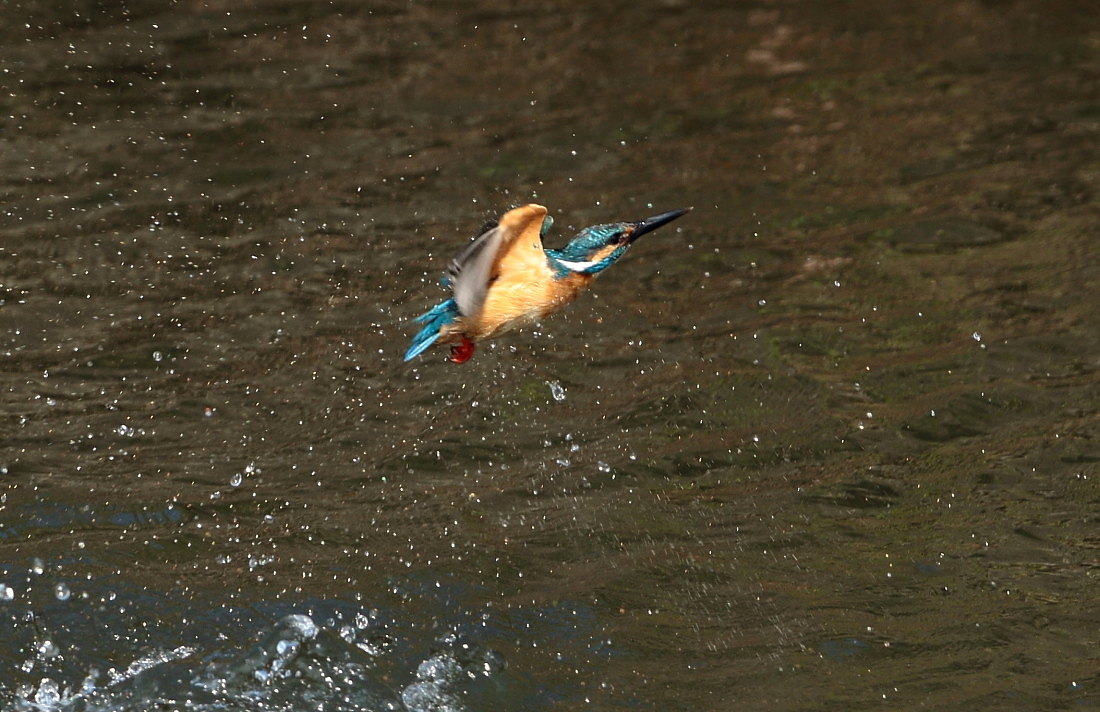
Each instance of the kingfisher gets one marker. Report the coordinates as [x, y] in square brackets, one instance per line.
[505, 279]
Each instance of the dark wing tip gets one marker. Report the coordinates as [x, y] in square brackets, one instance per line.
[489, 225]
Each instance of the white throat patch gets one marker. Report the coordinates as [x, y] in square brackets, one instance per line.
[576, 266]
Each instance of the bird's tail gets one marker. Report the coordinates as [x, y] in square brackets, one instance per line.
[434, 320]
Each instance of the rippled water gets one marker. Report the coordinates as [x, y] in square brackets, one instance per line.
[827, 442]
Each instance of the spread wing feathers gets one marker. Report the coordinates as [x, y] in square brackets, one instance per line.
[516, 241]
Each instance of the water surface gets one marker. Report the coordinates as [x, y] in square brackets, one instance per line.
[828, 442]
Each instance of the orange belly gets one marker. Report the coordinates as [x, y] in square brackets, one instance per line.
[516, 300]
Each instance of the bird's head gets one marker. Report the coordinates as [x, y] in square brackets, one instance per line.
[596, 248]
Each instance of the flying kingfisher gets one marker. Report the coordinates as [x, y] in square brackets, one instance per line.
[505, 279]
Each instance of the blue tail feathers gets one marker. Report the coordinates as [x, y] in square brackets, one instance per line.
[434, 320]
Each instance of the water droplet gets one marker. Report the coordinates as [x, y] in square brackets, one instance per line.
[236, 479]
[37, 566]
[158, 356]
[62, 592]
[87, 687]
[48, 696]
[977, 336]
[48, 649]
[556, 390]
[7, 593]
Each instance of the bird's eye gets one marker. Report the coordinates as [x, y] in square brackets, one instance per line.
[621, 237]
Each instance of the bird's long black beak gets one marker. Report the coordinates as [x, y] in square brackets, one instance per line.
[650, 224]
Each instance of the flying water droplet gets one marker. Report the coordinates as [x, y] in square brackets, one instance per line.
[48, 649]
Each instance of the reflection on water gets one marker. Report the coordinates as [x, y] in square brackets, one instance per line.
[828, 443]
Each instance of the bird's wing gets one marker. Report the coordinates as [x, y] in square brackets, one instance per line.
[513, 244]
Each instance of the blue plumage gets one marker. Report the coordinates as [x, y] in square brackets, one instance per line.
[592, 250]
[434, 320]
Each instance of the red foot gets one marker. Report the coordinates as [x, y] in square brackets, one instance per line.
[461, 353]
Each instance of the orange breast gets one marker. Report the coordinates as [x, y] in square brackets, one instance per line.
[518, 298]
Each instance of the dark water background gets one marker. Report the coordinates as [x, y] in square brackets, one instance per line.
[829, 442]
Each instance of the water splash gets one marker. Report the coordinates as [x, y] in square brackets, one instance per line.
[556, 390]
[297, 664]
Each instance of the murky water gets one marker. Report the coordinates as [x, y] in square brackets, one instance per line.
[828, 442]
